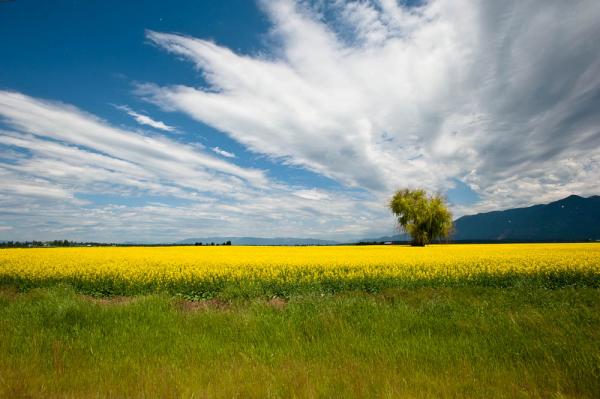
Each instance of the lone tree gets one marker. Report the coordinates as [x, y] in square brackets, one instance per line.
[424, 217]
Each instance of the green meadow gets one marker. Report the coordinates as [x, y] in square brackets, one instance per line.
[419, 342]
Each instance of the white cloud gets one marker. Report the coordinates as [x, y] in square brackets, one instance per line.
[279, 211]
[314, 194]
[383, 96]
[222, 152]
[36, 187]
[145, 120]
[58, 162]
[166, 159]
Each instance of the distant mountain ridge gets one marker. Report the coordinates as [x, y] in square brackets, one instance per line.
[395, 238]
[259, 241]
[573, 218]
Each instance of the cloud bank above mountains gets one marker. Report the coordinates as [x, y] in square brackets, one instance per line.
[502, 96]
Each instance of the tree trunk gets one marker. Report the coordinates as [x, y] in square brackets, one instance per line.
[418, 242]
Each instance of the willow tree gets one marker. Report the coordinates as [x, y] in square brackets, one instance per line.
[424, 217]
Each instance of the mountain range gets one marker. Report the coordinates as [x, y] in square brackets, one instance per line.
[573, 218]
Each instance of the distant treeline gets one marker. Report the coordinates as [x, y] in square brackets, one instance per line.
[211, 243]
[378, 243]
[67, 243]
[54, 243]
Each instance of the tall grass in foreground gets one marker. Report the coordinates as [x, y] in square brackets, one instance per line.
[422, 342]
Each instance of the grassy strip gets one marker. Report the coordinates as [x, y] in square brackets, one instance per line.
[419, 342]
[295, 284]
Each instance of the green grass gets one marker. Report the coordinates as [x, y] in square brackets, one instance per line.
[250, 288]
[419, 342]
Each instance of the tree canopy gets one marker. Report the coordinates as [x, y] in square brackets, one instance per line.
[424, 217]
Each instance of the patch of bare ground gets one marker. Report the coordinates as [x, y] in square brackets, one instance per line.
[220, 304]
[277, 303]
[198, 306]
[109, 301]
[413, 298]
[8, 292]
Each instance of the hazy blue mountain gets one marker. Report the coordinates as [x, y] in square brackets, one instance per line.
[570, 219]
[394, 238]
[259, 241]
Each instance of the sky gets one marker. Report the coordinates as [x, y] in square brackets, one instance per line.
[288, 118]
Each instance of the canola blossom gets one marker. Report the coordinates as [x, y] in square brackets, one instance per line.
[204, 272]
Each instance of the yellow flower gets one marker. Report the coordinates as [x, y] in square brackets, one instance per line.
[140, 269]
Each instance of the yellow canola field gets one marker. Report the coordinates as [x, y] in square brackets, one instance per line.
[199, 270]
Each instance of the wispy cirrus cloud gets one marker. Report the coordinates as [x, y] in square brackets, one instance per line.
[222, 152]
[145, 120]
[167, 160]
[58, 163]
[378, 95]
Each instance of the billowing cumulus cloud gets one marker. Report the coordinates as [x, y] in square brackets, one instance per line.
[500, 95]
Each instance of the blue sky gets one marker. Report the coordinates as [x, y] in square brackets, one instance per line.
[287, 118]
